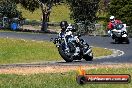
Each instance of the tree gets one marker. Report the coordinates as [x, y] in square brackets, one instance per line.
[103, 5]
[9, 9]
[46, 10]
[84, 10]
[121, 9]
[32, 5]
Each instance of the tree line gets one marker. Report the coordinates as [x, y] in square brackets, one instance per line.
[82, 10]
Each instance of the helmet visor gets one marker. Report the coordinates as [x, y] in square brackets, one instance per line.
[112, 20]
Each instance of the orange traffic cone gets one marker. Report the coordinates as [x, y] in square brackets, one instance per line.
[81, 71]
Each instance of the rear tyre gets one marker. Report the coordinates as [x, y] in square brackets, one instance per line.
[88, 57]
[64, 56]
[127, 41]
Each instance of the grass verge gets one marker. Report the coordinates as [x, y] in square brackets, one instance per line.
[21, 51]
[60, 80]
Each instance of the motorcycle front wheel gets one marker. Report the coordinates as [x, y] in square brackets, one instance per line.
[117, 41]
[63, 55]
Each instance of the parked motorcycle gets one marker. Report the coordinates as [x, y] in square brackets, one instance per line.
[119, 34]
[72, 47]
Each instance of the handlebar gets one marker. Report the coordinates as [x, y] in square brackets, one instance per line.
[56, 40]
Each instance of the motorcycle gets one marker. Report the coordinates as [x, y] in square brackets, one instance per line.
[119, 34]
[72, 47]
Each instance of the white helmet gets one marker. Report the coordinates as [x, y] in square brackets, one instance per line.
[112, 18]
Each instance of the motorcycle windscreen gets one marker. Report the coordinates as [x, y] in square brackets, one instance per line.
[124, 28]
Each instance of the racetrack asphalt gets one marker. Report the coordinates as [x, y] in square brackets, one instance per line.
[105, 42]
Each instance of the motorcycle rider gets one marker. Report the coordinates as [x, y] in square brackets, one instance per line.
[113, 22]
[63, 25]
[67, 29]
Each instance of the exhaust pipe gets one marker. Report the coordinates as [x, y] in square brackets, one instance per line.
[88, 52]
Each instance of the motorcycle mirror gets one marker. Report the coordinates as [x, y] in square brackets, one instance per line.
[55, 41]
[51, 39]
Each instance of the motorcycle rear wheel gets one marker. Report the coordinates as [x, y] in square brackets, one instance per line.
[88, 57]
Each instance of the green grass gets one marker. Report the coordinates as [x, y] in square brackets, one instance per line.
[21, 51]
[58, 13]
[36, 15]
[60, 80]
[97, 51]
[17, 51]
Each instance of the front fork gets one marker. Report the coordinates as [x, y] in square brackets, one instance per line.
[66, 47]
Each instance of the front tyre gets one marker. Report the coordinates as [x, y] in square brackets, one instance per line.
[118, 41]
[63, 55]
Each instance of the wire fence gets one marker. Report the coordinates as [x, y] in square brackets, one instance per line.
[92, 29]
